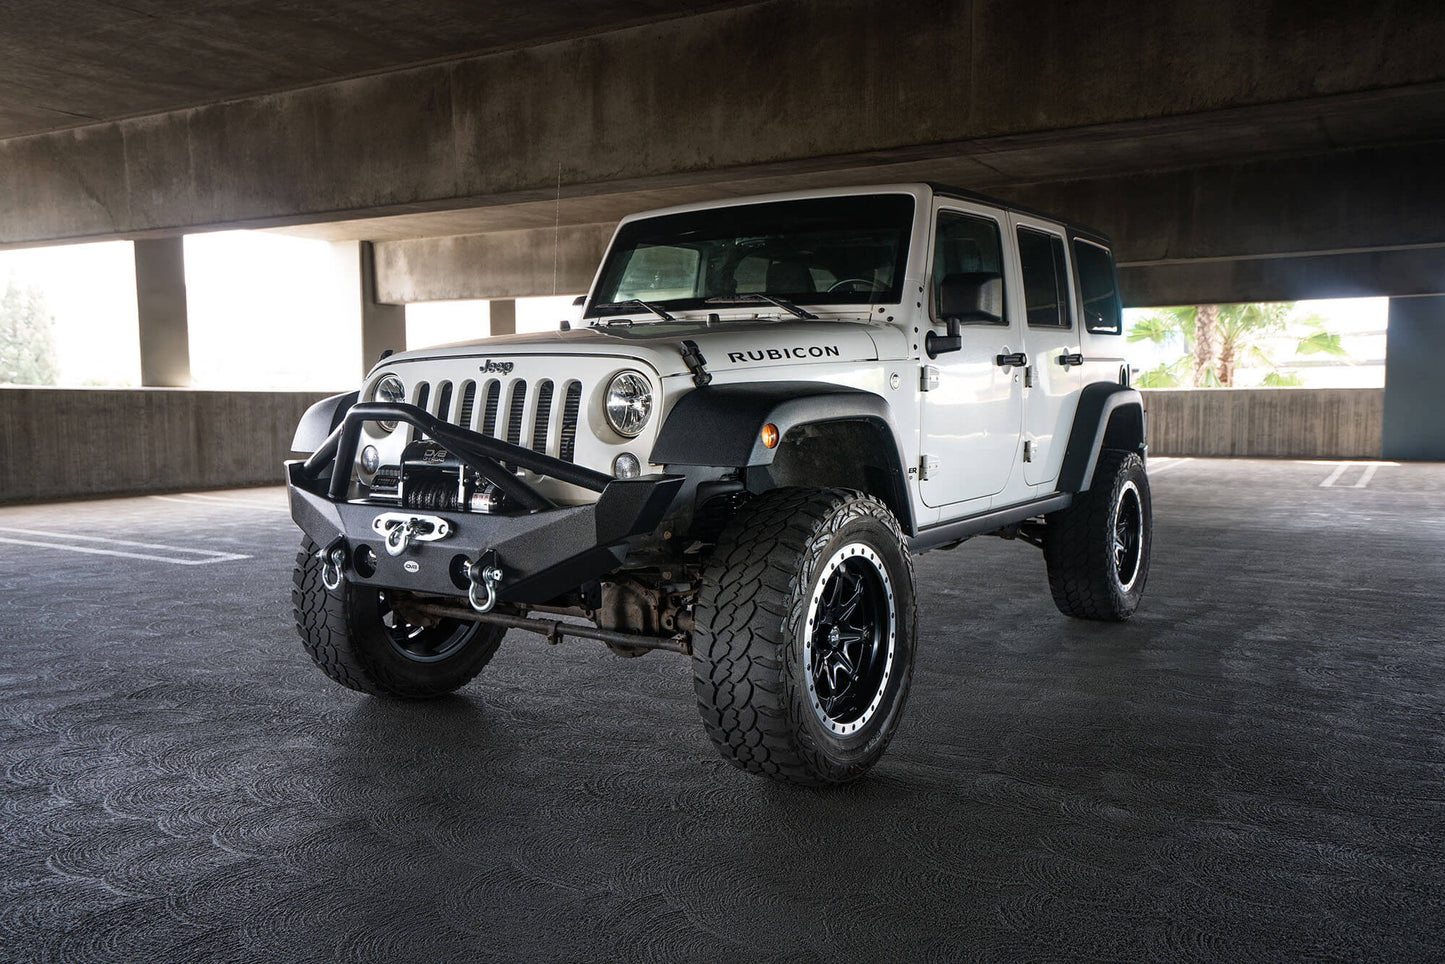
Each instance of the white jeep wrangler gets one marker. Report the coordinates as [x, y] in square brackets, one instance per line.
[770, 405]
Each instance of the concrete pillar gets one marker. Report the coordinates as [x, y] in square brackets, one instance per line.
[382, 326]
[503, 315]
[1414, 420]
[160, 300]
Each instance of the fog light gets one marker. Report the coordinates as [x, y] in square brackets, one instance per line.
[370, 459]
[626, 466]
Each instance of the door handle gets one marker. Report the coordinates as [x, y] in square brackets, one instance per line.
[1016, 360]
[1071, 359]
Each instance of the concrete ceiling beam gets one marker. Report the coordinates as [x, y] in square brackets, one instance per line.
[795, 90]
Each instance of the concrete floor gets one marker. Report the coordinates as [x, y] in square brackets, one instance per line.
[1251, 769]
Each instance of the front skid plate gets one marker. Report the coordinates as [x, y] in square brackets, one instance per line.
[541, 554]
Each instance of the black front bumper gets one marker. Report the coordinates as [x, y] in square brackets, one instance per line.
[543, 551]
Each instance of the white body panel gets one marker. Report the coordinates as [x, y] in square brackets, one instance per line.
[974, 423]
[1053, 395]
[971, 420]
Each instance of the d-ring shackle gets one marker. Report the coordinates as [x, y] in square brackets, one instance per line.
[482, 593]
[333, 561]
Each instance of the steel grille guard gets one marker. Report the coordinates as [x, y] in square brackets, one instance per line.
[480, 453]
[545, 549]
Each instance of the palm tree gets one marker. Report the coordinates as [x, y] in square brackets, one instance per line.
[1216, 338]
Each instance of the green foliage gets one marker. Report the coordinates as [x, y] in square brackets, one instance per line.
[1237, 336]
[27, 342]
[1161, 326]
[1318, 341]
[1280, 379]
[1160, 376]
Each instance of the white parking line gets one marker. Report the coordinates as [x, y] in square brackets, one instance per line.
[192, 498]
[1370, 468]
[1155, 468]
[1368, 474]
[207, 556]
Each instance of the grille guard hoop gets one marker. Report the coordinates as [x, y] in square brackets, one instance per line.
[480, 453]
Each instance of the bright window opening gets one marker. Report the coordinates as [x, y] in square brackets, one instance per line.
[68, 316]
[269, 311]
[1335, 343]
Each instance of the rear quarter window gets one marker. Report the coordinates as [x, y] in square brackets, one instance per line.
[1097, 288]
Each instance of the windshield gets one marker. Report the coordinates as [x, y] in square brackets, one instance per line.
[847, 250]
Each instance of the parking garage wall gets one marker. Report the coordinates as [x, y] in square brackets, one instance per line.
[74, 443]
[1326, 423]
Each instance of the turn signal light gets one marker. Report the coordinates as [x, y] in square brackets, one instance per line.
[770, 436]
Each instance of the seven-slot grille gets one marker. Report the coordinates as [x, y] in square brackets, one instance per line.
[505, 412]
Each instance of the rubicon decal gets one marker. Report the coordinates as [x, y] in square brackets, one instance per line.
[778, 354]
[504, 367]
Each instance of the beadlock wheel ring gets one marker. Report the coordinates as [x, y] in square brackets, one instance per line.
[1127, 544]
[849, 639]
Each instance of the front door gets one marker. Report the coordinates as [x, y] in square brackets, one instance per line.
[972, 417]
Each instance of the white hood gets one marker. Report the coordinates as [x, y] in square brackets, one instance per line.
[725, 345]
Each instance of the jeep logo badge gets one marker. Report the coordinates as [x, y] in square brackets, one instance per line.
[503, 367]
[411, 565]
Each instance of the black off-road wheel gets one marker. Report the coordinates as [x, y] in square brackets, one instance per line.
[1097, 550]
[804, 637]
[355, 636]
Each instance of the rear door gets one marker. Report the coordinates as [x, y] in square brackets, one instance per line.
[1055, 376]
[972, 416]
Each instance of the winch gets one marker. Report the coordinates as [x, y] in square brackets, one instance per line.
[431, 479]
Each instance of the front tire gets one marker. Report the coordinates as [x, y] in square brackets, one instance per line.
[804, 636]
[1097, 550]
[356, 638]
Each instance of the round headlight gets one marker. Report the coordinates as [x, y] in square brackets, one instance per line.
[389, 389]
[629, 403]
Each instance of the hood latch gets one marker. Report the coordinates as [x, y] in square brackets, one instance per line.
[692, 358]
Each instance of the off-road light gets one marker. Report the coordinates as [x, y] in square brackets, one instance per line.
[770, 436]
[370, 459]
[626, 466]
[628, 404]
[391, 390]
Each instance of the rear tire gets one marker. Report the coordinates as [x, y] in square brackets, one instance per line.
[355, 638]
[804, 636]
[1097, 550]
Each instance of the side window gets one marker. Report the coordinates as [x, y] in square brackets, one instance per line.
[1096, 286]
[965, 243]
[1046, 284]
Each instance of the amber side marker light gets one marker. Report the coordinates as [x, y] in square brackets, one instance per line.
[770, 436]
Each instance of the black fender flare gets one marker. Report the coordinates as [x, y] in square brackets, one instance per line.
[1098, 404]
[320, 420]
[721, 426]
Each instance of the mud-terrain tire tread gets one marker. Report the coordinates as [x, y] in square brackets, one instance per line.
[1080, 580]
[325, 627]
[750, 605]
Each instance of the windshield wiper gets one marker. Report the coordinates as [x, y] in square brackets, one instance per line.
[787, 306]
[641, 304]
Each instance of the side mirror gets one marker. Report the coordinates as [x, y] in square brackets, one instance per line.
[965, 296]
